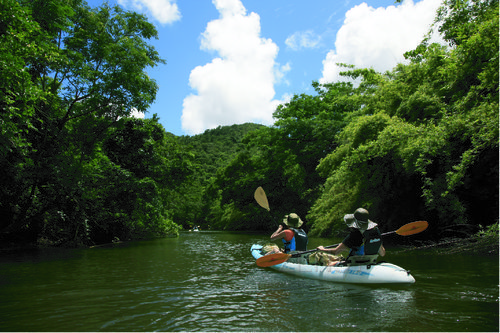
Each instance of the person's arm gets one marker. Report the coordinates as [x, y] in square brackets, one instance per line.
[381, 250]
[278, 234]
[336, 250]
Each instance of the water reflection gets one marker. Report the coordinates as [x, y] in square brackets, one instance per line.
[209, 282]
[334, 307]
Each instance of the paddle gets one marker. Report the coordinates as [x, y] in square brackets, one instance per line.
[261, 198]
[278, 258]
[272, 259]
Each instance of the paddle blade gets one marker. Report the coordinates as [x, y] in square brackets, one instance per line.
[261, 198]
[272, 259]
[412, 228]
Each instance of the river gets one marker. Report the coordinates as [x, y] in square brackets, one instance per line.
[208, 281]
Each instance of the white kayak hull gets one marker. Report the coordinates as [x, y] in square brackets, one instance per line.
[380, 273]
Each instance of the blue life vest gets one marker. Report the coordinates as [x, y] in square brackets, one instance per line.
[298, 242]
[360, 251]
[289, 246]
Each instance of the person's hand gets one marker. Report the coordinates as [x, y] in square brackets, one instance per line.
[321, 248]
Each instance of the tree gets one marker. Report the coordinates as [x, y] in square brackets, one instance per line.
[212, 150]
[283, 158]
[71, 73]
[427, 144]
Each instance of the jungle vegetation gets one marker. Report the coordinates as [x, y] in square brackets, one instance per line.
[419, 142]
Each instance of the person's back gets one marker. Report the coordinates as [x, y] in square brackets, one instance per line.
[294, 239]
[373, 241]
[364, 241]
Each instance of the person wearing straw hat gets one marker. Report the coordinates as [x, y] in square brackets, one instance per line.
[294, 239]
[364, 238]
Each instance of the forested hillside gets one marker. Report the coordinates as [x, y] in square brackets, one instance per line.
[216, 147]
[419, 142]
[211, 152]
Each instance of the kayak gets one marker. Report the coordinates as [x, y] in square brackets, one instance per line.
[377, 273]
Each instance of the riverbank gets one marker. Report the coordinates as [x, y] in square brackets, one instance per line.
[472, 245]
[485, 243]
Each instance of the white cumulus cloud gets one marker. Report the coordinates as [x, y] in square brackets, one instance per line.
[379, 37]
[164, 11]
[303, 40]
[237, 86]
[137, 114]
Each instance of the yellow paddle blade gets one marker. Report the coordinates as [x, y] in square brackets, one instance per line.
[261, 198]
[272, 259]
[412, 228]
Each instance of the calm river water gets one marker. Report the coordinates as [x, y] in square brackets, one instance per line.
[208, 281]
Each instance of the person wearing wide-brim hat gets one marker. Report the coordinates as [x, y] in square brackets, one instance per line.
[359, 220]
[294, 238]
[364, 236]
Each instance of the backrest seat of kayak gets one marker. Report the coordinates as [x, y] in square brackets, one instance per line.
[361, 260]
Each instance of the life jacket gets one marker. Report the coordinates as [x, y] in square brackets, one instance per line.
[298, 242]
[368, 251]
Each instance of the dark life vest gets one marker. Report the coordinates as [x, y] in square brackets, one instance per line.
[372, 241]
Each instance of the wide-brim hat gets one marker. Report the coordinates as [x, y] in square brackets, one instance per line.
[292, 220]
[359, 220]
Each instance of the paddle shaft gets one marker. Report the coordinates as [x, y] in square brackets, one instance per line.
[278, 258]
[272, 216]
[406, 230]
[330, 246]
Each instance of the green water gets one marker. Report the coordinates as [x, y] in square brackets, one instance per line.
[208, 281]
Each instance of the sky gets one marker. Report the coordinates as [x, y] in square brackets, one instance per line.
[234, 61]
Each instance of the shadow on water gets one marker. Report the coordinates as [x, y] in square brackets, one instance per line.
[208, 281]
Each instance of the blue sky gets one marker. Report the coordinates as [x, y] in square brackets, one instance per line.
[233, 61]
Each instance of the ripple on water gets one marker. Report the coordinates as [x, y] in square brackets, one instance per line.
[209, 282]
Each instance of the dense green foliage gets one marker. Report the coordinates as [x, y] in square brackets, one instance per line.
[282, 159]
[76, 170]
[426, 142]
[212, 151]
[419, 142]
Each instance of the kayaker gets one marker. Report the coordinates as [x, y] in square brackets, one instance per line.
[294, 238]
[364, 238]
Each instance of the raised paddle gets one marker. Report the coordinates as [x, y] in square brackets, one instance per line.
[261, 198]
[278, 258]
